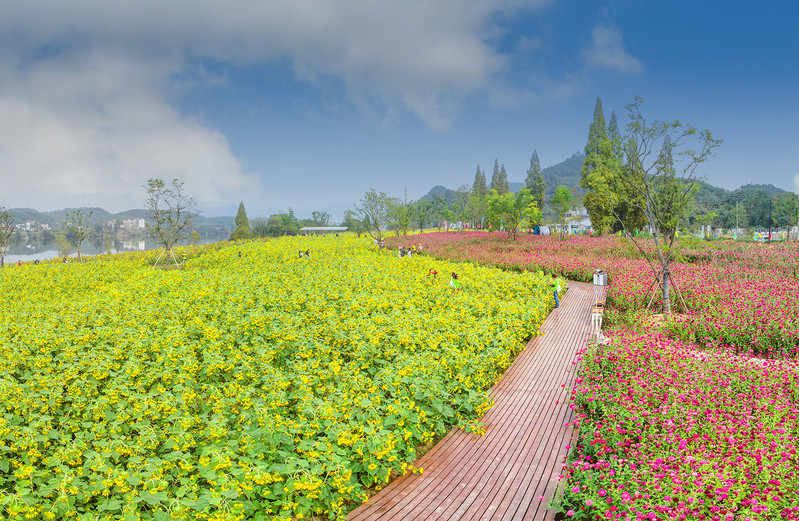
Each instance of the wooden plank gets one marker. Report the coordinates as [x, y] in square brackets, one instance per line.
[502, 474]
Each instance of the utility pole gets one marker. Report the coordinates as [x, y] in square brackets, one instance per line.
[770, 207]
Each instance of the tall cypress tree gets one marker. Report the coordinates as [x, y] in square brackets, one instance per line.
[479, 187]
[535, 180]
[242, 230]
[503, 180]
[593, 148]
[495, 181]
[615, 136]
[597, 172]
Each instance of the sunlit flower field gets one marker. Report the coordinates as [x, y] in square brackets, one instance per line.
[254, 384]
[695, 419]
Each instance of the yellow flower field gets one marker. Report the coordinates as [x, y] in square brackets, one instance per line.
[265, 386]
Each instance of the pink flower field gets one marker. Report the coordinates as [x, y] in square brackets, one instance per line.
[695, 419]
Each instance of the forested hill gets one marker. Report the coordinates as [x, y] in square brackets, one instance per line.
[754, 202]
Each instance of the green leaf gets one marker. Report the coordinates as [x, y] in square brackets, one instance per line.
[110, 505]
[153, 499]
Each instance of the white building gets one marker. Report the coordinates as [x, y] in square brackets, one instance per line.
[130, 224]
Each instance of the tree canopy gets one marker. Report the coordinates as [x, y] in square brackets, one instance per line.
[511, 211]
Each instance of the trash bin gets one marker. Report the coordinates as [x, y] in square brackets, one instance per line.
[600, 278]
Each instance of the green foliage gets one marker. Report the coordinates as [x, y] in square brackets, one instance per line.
[438, 208]
[170, 211]
[274, 226]
[478, 208]
[510, 211]
[6, 232]
[320, 218]
[499, 180]
[661, 159]
[610, 203]
[461, 211]
[242, 230]
[400, 216]
[420, 213]
[561, 202]
[535, 180]
[64, 246]
[786, 212]
[77, 229]
[479, 186]
[376, 209]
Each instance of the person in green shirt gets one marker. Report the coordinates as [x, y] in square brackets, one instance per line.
[556, 289]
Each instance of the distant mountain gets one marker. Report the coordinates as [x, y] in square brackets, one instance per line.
[47, 201]
[438, 190]
[55, 218]
[713, 196]
[564, 173]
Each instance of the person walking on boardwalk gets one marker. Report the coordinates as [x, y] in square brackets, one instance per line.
[556, 289]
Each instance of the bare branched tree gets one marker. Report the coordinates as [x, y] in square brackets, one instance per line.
[171, 214]
[376, 210]
[6, 232]
[661, 161]
[77, 227]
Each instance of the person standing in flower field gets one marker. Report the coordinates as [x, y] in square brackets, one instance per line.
[556, 289]
[431, 275]
[454, 282]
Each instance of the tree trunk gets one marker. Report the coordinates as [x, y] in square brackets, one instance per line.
[664, 269]
[666, 297]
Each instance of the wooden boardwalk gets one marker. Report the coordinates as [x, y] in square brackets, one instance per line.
[512, 471]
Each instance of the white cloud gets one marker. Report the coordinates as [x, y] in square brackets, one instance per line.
[100, 124]
[85, 99]
[418, 54]
[606, 51]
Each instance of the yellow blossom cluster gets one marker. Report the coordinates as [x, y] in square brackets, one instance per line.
[253, 384]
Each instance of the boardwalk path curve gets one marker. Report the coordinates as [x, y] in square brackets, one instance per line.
[503, 474]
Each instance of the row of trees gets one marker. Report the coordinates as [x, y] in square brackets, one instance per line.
[750, 206]
[279, 224]
[491, 207]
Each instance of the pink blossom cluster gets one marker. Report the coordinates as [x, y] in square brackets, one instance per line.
[697, 420]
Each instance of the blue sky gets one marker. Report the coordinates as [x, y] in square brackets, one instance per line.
[308, 103]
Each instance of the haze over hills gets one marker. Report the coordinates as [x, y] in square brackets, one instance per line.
[566, 173]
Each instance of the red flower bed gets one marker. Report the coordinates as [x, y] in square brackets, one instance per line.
[695, 420]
